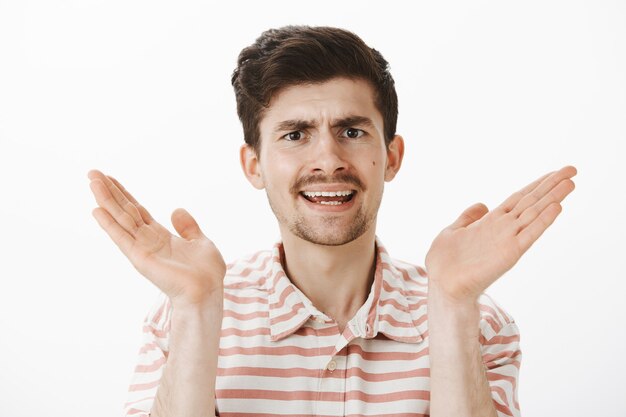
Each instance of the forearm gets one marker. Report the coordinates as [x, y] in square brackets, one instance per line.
[458, 380]
[187, 387]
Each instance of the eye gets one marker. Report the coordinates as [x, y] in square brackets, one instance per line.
[353, 133]
[294, 136]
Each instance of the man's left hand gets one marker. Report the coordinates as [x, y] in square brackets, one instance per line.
[481, 245]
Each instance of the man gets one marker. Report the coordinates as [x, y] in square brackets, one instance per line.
[326, 323]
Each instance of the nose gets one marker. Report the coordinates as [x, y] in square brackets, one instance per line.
[328, 156]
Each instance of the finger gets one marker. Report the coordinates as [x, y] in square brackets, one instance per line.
[556, 195]
[105, 199]
[542, 189]
[529, 235]
[512, 201]
[147, 218]
[470, 215]
[186, 225]
[121, 199]
[118, 235]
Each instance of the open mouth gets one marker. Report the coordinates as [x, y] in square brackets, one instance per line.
[329, 198]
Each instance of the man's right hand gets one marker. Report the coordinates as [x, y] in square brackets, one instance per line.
[188, 269]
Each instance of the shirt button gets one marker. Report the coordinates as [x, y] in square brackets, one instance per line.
[332, 365]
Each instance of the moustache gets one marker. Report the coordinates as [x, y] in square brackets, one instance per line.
[344, 177]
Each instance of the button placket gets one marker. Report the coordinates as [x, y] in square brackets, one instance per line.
[333, 383]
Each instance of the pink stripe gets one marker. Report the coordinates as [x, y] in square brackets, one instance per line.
[244, 300]
[503, 314]
[386, 356]
[500, 340]
[233, 331]
[244, 273]
[492, 323]
[491, 357]
[151, 367]
[421, 272]
[395, 323]
[289, 330]
[494, 315]
[400, 307]
[303, 331]
[389, 288]
[158, 314]
[492, 365]
[503, 409]
[276, 351]
[321, 396]
[143, 387]
[501, 393]
[250, 260]
[259, 283]
[285, 317]
[147, 348]
[247, 271]
[492, 376]
[388, 397]
[245, 316]
[409, 278]
[156, 332]
[348, 335]
[353, 372]
[134, 411]
[421, 320]
[289, 289]
[309, 331]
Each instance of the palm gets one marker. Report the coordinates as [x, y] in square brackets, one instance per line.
[481, 253]
[472, 253]
[188, 267]
[159, 255]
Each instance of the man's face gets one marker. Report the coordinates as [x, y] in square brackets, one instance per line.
[323, 160]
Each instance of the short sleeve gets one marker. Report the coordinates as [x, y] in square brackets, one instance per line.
[500, 345]
[151, 360]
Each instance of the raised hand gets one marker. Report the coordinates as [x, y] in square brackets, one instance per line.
[189, 268]
[481, 245]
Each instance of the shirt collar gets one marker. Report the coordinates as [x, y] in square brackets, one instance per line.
[392, 306]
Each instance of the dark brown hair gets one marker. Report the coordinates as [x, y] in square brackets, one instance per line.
[294, 55]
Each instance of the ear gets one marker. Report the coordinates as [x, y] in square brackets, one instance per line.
[395, 153]
[251, 166]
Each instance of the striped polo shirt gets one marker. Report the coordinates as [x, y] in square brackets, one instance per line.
[280, 355]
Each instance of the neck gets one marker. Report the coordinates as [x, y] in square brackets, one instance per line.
[337, 279]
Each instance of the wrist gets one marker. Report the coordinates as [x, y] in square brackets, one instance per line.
[453, 299]
[455, 317]
[210, 303]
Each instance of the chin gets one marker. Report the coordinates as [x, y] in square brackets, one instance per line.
[328, 241]
[331, 236]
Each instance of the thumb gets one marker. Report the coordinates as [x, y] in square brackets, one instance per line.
[470, 215]
[185, 225]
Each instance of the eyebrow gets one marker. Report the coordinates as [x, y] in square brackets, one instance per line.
[344, 122]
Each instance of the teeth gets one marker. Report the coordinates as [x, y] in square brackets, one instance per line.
[327, 193]
[330, 203]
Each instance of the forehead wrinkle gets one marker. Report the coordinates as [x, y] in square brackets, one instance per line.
[343, 122]
[295, 124]
[353, 120]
